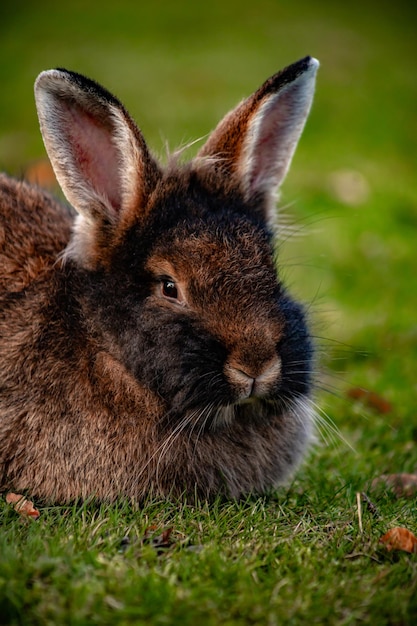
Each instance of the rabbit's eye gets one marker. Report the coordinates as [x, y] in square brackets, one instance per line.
[169, 289]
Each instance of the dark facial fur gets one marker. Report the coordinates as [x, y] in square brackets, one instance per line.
[235, 308]
[154, 350]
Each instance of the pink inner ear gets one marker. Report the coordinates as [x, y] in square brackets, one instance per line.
[94, 154]
[273, 144]
[274, 133]
[264, 161]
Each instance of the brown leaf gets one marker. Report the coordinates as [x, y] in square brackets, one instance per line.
[371, 399]
[400, 539]
[401, 484]
[158, 541]
[22, 506]
[41, 173]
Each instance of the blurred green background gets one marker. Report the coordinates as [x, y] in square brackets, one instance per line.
[351, 194]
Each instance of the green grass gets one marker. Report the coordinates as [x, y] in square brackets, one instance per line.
[298, 556]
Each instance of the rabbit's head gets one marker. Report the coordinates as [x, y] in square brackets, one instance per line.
[176, 265]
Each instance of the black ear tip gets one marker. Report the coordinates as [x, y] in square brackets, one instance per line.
[303, 70]
[55, 80]
[307, 64]
[312, 63]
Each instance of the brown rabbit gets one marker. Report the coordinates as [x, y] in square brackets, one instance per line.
[147, 344]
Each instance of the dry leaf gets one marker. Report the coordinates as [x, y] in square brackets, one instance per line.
[41, 173]
[371, 399]
[401, 484]
[400, 539]
[22, 506]
[158, 541]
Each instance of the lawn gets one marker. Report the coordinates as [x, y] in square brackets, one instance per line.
[309, 553]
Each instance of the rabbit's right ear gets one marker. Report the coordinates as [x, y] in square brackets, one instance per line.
[254, 144]
[99, 156]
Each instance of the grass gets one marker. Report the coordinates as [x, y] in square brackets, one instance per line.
[300, 555]
[295, 557]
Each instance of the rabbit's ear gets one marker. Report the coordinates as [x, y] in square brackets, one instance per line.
[98, 154]
[255, 142]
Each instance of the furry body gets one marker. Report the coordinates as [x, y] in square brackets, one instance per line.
[147, 345]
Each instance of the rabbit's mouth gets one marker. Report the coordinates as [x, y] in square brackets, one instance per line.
[251, 410]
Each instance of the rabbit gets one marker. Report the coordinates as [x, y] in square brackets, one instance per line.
[148, 346]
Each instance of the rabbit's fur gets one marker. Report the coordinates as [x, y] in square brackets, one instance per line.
[147, 345]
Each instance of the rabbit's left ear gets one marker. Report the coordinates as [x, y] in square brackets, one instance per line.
[255, 142]
[99, 156]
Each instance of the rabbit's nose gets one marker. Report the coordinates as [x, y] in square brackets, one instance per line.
[253, 383]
